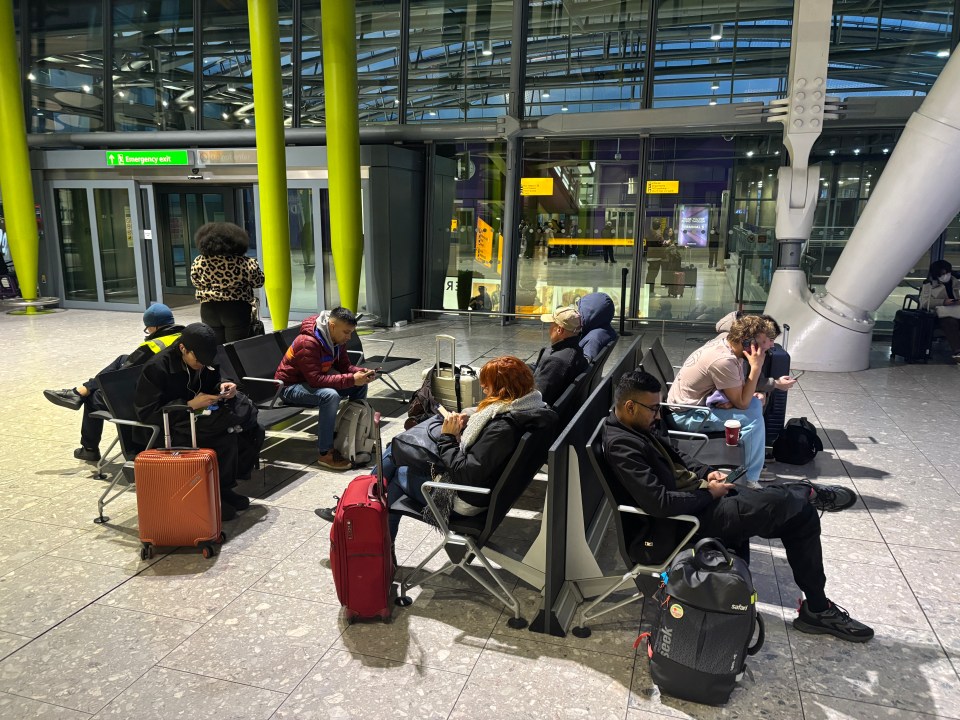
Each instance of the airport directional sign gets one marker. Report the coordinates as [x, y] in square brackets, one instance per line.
[147, 158]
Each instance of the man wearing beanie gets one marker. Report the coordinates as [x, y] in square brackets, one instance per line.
[161, 331]
[184, 374]
[560, 363]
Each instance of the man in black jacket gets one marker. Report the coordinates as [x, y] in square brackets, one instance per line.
[664, 482]
[184, 374]
[560, 363]
[160, 330]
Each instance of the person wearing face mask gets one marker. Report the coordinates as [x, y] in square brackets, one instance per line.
[942, 289]
[160, 330]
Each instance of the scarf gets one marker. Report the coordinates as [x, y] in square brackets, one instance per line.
[531, 401]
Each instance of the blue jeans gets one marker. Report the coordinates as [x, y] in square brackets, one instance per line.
[753, 432]
[401, 480]
[326, 400]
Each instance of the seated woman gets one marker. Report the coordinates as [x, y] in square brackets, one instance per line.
[942, 289]
[475, 449]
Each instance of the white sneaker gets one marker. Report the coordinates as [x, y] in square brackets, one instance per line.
[767, 475]
[752, 484]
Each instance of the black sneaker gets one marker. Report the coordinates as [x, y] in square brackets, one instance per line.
[833, 621]
[326, 513]
[234, 499]
[68, 398]
[832, 498]
[87, 454]
[227, 512]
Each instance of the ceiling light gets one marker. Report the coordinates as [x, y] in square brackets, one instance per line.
[856, 151]
[886, 150]
[225, 116]
[121, 94]
[712, 102]
[715, 85]
[487, 48]
[833, 152]
[433, 113]
[87, 88]
[192, 109]
[749, 153]
[943, 54]
[716, 32]
[564, 108]
[246, 121]
[777, 152]
[544, 94]
[164, 103]
[31, 77]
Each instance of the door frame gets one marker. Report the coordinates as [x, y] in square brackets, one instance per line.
[50, 190]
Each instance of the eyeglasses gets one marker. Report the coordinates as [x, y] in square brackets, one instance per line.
[652, 408]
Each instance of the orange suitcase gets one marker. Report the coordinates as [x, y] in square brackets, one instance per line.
[178, 494]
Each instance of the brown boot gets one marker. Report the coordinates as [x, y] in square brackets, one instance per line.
[333, 460]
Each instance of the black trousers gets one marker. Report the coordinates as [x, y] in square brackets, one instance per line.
[237, 452]
[91, 428]
[608, 253]
[951, 328]
[782, 512]
[714, 250]
[229, 319]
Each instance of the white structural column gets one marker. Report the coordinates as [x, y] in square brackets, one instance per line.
[919, 189]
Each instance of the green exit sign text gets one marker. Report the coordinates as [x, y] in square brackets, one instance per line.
[147, 157]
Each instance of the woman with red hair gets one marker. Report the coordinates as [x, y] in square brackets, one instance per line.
[476, 446]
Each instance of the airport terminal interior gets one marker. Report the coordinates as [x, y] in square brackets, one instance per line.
[513, 157]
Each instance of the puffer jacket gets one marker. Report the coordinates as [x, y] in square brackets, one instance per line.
[310, 359]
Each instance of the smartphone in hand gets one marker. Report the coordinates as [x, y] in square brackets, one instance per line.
[736, 474]
[444, 413]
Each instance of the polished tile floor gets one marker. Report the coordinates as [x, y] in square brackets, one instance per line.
[87, 629]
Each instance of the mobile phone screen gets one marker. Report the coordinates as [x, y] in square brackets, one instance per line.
[736, 474]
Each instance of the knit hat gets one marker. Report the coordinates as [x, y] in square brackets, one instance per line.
[157, 315]
[566, 317]
[201, 340]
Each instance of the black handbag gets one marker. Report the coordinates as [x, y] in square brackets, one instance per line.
[417, 447]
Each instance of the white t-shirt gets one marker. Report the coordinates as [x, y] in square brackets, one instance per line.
[709, 368]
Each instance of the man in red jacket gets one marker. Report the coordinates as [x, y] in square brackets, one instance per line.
[316, 372]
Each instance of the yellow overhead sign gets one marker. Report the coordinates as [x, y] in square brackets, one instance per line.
[663, 187]
[536, 186]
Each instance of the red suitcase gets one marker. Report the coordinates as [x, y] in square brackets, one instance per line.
[360, 545]
[178, 494]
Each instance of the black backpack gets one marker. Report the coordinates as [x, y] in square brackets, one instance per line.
[707, 616]
[798, 443]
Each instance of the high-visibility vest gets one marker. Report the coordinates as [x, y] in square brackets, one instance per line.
[157, 344]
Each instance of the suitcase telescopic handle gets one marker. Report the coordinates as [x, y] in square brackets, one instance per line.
[453, 351]
[168, 440]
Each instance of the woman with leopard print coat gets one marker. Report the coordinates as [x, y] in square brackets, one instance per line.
[225, 278]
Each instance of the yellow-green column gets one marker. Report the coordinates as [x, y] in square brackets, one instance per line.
[15, 182]
[271, 157]
[343, 145]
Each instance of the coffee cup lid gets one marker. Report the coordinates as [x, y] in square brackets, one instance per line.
[732, 424]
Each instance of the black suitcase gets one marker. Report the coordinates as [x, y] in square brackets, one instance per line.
[912, 333]
[690, 271]
[776, 364]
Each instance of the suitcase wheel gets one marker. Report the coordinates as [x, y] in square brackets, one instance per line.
[223, 538]
[146, 552]
[404, 601]
[208, 550]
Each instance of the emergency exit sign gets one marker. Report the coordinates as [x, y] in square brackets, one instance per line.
[147, 158]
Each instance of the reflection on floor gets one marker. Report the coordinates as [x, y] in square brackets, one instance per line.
[87, 629]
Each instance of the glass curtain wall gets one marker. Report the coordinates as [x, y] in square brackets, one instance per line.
[586, 57]
[66, 70]
[459, 63]
[721, 52]
[153, 65]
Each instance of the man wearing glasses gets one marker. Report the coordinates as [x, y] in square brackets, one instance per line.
[664, 482]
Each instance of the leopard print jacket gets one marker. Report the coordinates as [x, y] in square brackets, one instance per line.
[218, 278]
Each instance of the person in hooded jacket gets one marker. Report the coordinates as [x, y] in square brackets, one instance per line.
[596, 310]
[559, 364]
[316, 372]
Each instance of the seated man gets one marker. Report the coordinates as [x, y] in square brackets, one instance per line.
[596, 310]
[664, 482]
[183, 374]
[161, 331]
[718, 366]
[317, 372]
[765, 385]
[560, 363]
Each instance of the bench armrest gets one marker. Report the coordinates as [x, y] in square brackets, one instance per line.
[272, 381]
[154, 429]
[389, 343]
[700, 437]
